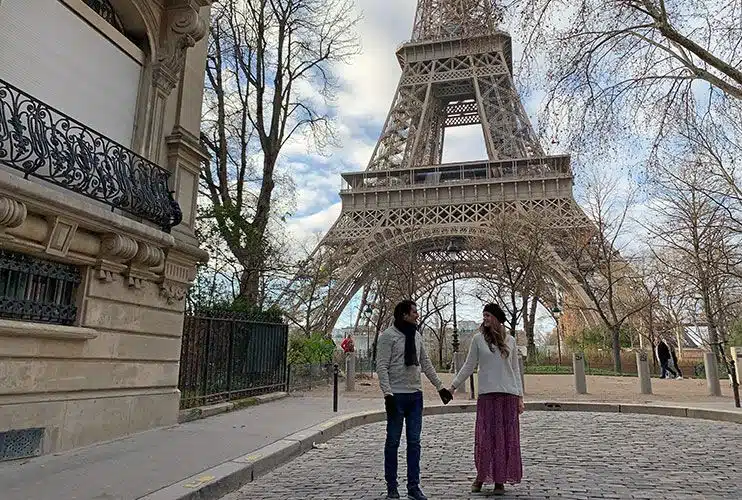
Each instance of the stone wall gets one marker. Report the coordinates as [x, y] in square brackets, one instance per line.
[115, 371]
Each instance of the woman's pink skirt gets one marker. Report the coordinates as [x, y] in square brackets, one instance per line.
[497, 439]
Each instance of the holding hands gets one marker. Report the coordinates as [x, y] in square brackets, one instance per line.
[445, 395]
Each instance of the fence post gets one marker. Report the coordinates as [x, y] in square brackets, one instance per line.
[230, 351]
[288, 378]
[350, 372]
[205, 375]
[335, 388]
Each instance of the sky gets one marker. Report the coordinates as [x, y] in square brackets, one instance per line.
[368, 86]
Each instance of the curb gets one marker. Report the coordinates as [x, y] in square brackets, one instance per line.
[200, 412]
[231, 475]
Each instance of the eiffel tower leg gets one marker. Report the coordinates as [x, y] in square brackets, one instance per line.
[402, 124]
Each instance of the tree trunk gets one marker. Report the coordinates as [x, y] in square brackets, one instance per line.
[616, 337]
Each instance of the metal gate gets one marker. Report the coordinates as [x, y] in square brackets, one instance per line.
[226, 356]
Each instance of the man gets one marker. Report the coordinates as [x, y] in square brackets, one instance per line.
[400, 358]
[676, 366]
[664, 356]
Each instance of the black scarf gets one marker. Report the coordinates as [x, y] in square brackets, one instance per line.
[410, 349]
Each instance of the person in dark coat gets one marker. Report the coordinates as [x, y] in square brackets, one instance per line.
[664, 356]
[676, 366]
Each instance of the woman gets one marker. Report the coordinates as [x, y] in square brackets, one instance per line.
[497, 433]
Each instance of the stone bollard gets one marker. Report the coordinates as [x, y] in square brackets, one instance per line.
[522, 367]
[737, 357]
[578, 367]
[642, 368]
[712, 374]
[350, 372]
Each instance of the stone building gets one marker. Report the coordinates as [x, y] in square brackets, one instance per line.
[100, 107]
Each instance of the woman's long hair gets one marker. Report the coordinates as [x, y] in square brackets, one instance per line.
[496, 337]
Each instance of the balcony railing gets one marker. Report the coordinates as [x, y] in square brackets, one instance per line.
[43, 142]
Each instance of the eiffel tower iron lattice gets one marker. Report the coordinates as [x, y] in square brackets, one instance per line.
[457, 70]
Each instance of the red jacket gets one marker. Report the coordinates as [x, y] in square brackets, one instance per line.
[347, 345]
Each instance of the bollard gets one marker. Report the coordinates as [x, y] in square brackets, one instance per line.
[712, 374]
[335, 388]
[578, 367]
[737, 358]
[642, 368]
[350, 372]
[522, 368]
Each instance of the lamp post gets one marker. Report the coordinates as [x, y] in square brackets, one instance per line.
[453, 251]
[368, 312]
[557, 312]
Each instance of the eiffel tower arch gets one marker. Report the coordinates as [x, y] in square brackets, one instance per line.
[456, 70]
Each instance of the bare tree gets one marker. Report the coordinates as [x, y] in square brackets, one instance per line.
[595, 257]
[305, 299]
[269, 78]
[614, 65]
[519, 245]
[436, 317]
[696, 244]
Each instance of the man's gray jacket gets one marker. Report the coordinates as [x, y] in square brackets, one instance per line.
[394, 376]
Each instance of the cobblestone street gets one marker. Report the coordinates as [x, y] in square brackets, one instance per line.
[565, 455]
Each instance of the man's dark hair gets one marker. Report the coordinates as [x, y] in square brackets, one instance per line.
[403, 308]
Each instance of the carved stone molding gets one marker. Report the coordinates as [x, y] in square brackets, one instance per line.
[173, 291]
[183, 28]
[148, 256]
[118, 247]
[61, 233]
[12, 213]
[177, 278]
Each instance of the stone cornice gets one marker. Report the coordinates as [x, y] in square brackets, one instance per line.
[48, 201]
[10, 328]
[38, 220]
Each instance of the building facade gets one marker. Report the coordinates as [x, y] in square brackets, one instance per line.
[100, 109]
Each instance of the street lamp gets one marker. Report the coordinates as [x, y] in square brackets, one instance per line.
[368, 312]
[453, 251]
[557, 312]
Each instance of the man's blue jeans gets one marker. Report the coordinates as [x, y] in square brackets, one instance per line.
[409, 410]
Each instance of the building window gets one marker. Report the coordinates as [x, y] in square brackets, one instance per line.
[104, 9]
[33, 289]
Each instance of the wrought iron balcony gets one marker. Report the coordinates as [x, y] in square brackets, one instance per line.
[43, 142]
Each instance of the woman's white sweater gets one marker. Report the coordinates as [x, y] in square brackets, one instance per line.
[496, 374]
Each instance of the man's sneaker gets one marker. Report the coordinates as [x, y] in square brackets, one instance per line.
[416, 494]
[392, 492]
[679, 377]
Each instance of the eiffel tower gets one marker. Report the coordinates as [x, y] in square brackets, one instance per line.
[457, 70]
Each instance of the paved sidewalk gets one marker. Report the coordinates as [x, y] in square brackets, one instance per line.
[132, 467]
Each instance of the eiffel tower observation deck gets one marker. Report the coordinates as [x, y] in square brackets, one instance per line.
[457, 70]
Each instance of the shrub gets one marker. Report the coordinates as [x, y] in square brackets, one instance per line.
[314, 350]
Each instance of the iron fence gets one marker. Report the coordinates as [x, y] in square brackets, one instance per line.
[225, 356]
[305, 377]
